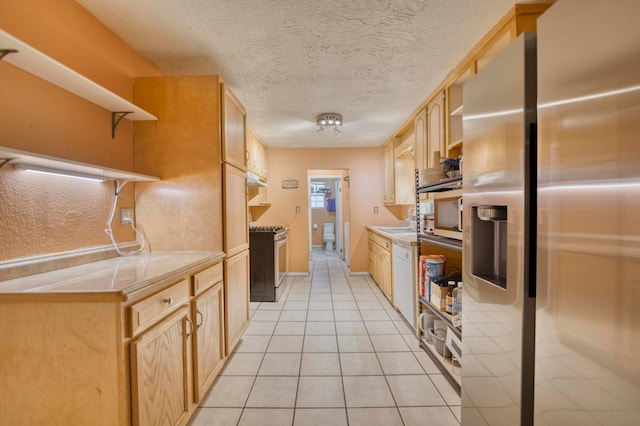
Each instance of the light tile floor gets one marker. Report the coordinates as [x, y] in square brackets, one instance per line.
[332, 351]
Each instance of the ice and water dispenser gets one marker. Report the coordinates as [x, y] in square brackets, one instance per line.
[489, 244]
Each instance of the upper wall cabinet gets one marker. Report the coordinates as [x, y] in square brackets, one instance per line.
[454, 115]
[257, 153]
[389, 172]
[405, 164]
[437, 123]
[435, 130]
[234, 142]
[420, 132]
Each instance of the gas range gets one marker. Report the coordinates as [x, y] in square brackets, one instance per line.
[265, 228]
[279, 232]
[269, 262]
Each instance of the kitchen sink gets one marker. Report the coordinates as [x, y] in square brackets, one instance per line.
[397, 229]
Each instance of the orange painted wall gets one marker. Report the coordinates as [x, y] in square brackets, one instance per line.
[365, 193]
[40, 216]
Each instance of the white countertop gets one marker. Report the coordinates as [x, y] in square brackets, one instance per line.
[121, 275]
[406, 238]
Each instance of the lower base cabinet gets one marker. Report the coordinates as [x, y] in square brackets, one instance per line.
[380, 263]
[236, 298]
[209, 339]
[146, 357]
[160, 364]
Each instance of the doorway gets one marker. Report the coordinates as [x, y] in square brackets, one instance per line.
[328, 212]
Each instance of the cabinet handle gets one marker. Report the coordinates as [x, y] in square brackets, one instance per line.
[168, 300]
[198, 324]
[190, 331]
[247, 155]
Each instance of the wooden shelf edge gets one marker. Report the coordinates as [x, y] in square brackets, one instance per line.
[37, 63]
[441, 315]
[443, 185]
[28, 158]
[441, 241]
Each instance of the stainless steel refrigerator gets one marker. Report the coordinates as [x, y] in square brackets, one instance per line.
[587, 351]
[551, 312]
[498, 309]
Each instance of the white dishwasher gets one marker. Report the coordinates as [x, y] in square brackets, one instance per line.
[404, 285]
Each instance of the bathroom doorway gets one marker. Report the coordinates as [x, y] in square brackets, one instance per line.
[328, 213]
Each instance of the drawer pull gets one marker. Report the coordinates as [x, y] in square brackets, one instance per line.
[168, 300]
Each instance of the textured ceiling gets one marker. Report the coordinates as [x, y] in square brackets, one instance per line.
[373, 61]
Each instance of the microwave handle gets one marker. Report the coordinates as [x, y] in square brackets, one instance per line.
[460, 214]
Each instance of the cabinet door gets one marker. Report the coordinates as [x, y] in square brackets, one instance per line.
[385, 274]
[236, 294]
[420, 127]
[208, 338]
[261, 155]
[236, 213]
[159, 372]
[372, 260]
[389, 173]
[435, 129]
[234, 144]
[253, 159]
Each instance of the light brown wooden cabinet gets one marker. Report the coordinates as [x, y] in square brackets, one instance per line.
[160, 372]
[236, 213]
[209, 342]
[420, 131]
[201, 203]
[257, 153]
[436, 130]
[380, 263]
[234, 138]
[236, 294]
[142, 356]
[389, 173]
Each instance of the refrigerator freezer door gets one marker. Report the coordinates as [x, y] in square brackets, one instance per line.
[499, 107]
[588, 304]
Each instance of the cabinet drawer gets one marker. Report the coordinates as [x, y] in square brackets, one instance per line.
[207, 278]
[154, 308]
[380, 240]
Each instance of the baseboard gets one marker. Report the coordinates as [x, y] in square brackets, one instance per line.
[359, 273]
[298, 274]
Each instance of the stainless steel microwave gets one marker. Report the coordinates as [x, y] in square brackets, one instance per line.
[447, 214]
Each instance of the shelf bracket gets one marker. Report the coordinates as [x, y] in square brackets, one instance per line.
[116, 117]
[5, 52]
[4, 161]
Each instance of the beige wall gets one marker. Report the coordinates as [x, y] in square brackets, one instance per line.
[365, 193]
[46, 215]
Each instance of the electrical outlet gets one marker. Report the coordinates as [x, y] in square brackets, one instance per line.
[126, 216]
[375, 210]
[297, 209]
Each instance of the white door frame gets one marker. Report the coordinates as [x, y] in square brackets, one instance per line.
[339, 218]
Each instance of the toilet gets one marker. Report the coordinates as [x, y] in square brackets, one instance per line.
[328, 235]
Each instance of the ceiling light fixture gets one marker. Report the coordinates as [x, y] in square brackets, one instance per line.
[329, 119]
